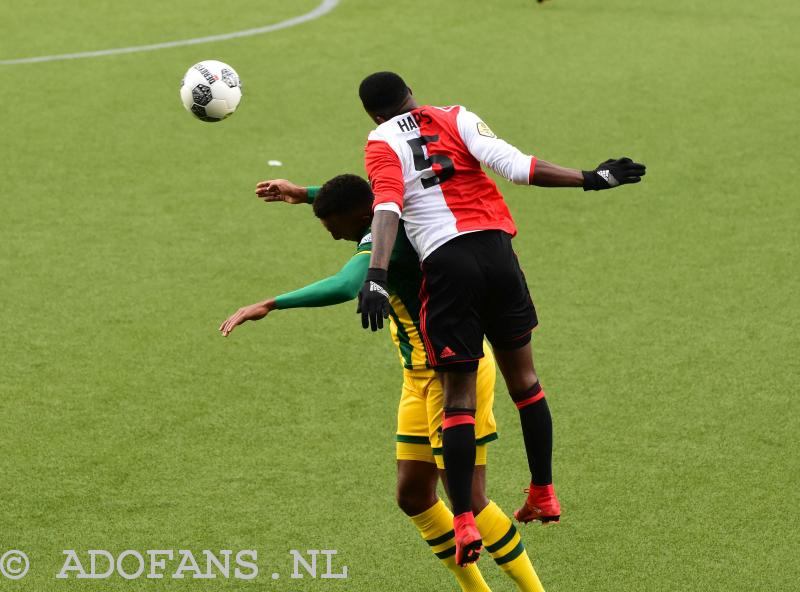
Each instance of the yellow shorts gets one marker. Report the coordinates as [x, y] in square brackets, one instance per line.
[419, 416]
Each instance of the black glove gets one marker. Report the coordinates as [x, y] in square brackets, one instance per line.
[373, 299]
[612, 173]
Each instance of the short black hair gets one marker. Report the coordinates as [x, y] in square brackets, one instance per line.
[343, 194]
[382, 93]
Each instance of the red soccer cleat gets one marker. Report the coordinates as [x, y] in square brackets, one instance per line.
[468, 540]
[542, 504]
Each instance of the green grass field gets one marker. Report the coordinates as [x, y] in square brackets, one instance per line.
[669, 312]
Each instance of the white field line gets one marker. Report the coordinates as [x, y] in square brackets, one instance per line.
[324, 8]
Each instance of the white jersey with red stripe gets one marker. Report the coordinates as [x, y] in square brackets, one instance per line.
[426, 166]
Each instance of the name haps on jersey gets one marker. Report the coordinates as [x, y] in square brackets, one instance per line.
[410, 123]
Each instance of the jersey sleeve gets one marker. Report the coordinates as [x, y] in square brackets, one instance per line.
[365, 244]
[500, 156]
[336, 289]
[385, 175]
[313, 192]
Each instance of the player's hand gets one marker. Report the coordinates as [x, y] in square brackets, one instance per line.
[281, 190]
[612, 173]
[373, 299]
[253, 312]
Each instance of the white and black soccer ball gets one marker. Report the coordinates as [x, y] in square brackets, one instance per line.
[211, 90]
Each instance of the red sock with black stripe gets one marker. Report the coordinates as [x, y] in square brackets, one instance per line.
[537, 431]
[458, 453]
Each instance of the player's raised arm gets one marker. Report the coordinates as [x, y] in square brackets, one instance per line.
[286, 191]
[508, 161]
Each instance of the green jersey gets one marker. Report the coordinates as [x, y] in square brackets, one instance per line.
[405, 280]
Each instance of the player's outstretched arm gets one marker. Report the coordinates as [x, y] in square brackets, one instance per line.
[283, 190]
[335, 289]
[522, 169]
[547, 174]
[609, 174]
[613, 173]
[254, 312]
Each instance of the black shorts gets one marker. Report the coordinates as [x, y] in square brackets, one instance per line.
[473, 286]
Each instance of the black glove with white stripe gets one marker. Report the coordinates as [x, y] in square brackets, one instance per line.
[612, 173]
[373, 299]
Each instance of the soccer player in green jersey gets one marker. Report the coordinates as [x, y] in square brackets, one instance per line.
[344, 206]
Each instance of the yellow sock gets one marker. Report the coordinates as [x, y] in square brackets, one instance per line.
[503, 542]
[436, 526]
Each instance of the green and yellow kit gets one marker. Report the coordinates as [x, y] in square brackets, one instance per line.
[419, 416]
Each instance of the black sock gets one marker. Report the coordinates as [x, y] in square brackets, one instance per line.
[458, 451]
[537, 430]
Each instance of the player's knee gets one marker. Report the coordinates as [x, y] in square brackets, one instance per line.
[520, 383]
[460, 398]
[518, 371]
[413, 501]
[523, 389]
[459, 388]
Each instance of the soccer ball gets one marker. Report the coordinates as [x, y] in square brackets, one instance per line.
[211, 90]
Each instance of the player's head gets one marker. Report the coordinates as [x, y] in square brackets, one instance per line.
[344, 206]
[384, 95]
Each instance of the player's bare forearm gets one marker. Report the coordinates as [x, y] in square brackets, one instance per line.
[547, 174]
[281, 190]
[384, 233]
[253, 312]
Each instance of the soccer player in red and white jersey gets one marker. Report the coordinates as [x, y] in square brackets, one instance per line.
[424, 164]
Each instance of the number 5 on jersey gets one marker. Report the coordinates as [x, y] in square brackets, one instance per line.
[423, 164]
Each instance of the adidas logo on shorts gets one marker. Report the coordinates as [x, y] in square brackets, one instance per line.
[447, 353]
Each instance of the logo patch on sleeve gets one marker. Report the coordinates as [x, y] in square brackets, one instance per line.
[484, 130]
[367, 239]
